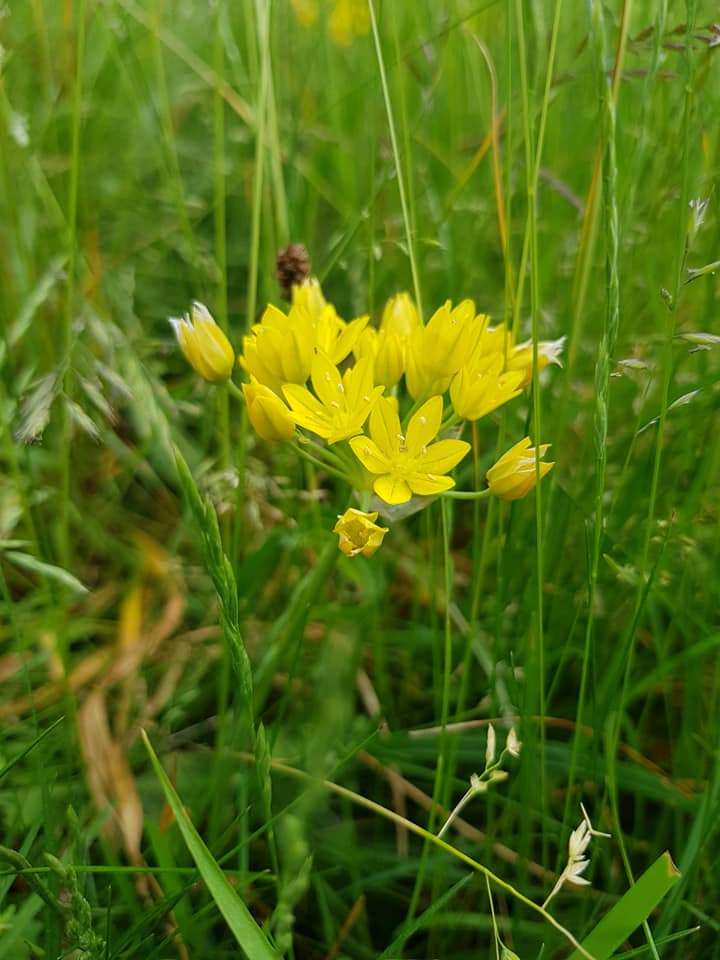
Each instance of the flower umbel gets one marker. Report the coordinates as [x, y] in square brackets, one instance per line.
[515, 475]
[359, 533]
[205, 346]
[408, 463]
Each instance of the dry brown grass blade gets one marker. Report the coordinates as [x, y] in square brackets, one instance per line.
[109, 776]
[350, 922]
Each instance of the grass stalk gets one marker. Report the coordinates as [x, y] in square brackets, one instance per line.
[409, 236]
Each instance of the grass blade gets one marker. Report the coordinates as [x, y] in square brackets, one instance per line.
[629, 912]
[239, 919]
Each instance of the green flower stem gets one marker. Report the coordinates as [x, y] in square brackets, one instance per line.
[235, 390]
[444, 760]
[466, 494]
[326, 461]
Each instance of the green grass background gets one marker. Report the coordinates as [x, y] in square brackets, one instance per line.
[159, 152]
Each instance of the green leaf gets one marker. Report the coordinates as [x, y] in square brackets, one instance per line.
[31, 746]
[248, 934]
[630, 911]
[49, 570]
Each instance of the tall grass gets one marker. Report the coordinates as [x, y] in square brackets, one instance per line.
[317, 717]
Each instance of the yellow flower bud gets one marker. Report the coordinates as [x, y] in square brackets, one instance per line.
[267, 413]
[359, 533]
[386, 351]
[400, 316]
[206, 348]
[515, 475]
[309, 295]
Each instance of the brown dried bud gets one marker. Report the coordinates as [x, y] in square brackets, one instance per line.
[292, 265]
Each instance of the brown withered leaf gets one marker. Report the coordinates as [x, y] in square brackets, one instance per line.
[109, 776]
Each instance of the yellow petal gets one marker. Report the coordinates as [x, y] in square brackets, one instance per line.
[370, 455]
[424, 425]
[392, 489]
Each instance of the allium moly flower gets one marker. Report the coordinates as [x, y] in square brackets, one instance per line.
[359, 533]
[387, 352]
[206, 348]
[280, 348]
[408, 463]
[520, 357]
[514, 475]
[341, 404]
[480, 386]
[309, 295]
[388, 345]
[267, 413]
[400, 316]
[348, 18]
[437, 351]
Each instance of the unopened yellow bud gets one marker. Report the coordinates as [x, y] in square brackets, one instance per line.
[267, 413]
[400, 316]
[206, 348]
[515, 473]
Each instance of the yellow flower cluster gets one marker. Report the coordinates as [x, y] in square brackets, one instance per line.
[347, 19]
[314, 377]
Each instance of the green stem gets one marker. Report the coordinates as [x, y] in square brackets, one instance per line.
[396, 158]
[262, 19]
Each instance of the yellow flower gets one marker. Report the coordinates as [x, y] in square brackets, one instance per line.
[409, 463]
[267, 413]
[341, 405]
[279, 349]
[206, 348]
[388, 345]
[387, 353]
[309, 295]
[400, 316]
[359, 533]
[514, 475]
[334, 336]
[521, 357]
[437, 351]
[305, 12]
[349, 19]
[481, 387]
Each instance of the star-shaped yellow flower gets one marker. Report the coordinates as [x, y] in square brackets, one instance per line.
[408, 463]
[341, 405]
